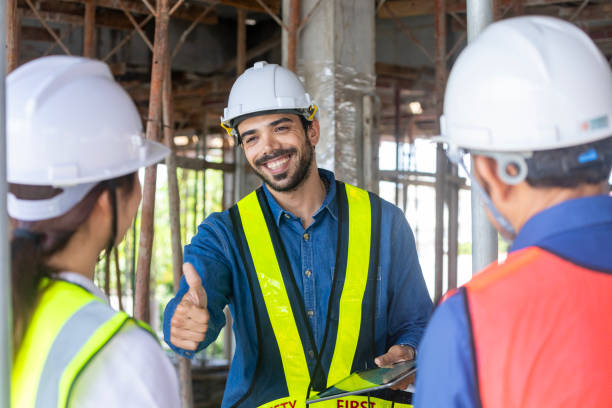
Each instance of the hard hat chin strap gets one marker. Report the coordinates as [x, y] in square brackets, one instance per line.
[501, 220]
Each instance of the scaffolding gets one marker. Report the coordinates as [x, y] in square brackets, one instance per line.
[183, 106]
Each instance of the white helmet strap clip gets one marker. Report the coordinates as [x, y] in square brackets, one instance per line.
[507, 161]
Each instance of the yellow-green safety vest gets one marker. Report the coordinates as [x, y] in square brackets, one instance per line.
[279, 306]
[68, 328]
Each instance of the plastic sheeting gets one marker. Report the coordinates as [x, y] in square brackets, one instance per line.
[338, 90]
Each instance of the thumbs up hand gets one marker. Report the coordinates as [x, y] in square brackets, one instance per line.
[190, 320]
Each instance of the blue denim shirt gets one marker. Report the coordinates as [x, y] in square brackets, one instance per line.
[578, 230]
[403, 303]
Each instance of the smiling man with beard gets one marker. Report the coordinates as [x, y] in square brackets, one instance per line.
[321, 277]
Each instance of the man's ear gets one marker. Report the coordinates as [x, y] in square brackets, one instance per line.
[486, 172]
[314, 132]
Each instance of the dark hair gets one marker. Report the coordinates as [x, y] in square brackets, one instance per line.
[306, 124]
[33, 242]
[569, 167]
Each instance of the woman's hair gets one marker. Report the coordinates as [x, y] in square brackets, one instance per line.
[33, 242]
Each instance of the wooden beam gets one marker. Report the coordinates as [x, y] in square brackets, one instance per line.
[187, 11]
[592, 12]
[402, 71]
[409, 8]
[104, 18]
[251, 5]
[37, 34]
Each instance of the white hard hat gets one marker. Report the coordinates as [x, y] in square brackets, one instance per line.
[528, 84]
[266, 88]
[70, 125]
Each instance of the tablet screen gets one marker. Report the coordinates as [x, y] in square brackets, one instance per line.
[367, 380]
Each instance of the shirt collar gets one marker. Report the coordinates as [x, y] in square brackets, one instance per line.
[329, 203]
[83, 282]
[564, 217]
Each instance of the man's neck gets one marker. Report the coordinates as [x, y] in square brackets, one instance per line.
[305, 200]
[535, 200]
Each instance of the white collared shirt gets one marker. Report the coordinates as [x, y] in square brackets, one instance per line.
[130, 371]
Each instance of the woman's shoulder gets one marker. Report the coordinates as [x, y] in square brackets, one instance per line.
[130, 370]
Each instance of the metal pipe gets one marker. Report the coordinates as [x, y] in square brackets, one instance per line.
[479, 15]
[294, 21]
[145, 252]
[484, 236]
[89, 30]
[6, 332]
[453, 228]
[13, 27]
[441, 161]
[396, 129]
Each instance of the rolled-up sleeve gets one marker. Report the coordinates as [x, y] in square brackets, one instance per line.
[208, 253]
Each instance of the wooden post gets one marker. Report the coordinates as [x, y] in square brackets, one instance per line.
[13, 27]
[89, 30]
[118, 278]
[241, 42]
[145, 252]
[107, 261]
[175, 220]
[294, 22]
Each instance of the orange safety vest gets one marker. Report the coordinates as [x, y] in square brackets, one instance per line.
[542, 332]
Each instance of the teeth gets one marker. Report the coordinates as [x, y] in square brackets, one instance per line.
[273, 165]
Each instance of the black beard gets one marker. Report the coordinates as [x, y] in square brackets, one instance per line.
[303, 169]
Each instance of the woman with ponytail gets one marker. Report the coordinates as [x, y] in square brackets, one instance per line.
[74, 146]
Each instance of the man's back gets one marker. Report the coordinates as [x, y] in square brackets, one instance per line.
[533, 347]
[532, 331]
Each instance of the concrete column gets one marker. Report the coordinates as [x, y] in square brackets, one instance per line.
[336, 60]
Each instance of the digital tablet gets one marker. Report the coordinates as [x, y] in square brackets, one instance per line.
[362, 382]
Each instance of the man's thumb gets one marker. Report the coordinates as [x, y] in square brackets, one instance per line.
[384, 360]
[196, 290]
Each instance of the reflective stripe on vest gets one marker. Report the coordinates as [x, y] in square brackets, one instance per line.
[68, 327]
[279, 305]
[357, 266]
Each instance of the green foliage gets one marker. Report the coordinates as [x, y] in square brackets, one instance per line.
[199, 197]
